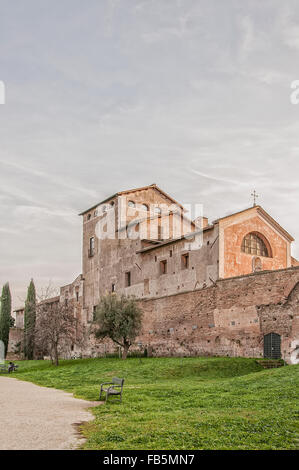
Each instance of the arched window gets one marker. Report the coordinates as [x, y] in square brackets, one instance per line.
[254, 245]
[157, 210]
[131, 204]
[144, 207]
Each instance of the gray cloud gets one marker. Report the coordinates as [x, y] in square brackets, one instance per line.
[192, 95]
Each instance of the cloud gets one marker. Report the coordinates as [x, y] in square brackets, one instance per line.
[192, 95]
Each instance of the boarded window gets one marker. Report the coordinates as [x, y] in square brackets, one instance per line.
[257, 264]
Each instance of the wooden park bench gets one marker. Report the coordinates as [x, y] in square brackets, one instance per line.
[115, 389]
[4, 367]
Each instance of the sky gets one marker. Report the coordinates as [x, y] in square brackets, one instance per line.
[103, 96]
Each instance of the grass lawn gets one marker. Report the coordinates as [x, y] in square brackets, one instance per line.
[181, 403]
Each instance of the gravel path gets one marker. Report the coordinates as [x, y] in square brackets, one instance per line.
[39, 418]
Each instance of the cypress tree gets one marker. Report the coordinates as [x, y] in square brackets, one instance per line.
[5, 315]
[29, 321]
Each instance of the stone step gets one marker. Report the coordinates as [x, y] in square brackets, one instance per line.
[271, 363]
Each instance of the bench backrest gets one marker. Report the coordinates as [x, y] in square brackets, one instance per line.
[118, 381]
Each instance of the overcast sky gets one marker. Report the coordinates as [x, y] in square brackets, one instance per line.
[107, 95]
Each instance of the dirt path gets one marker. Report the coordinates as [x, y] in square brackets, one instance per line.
[33, 417]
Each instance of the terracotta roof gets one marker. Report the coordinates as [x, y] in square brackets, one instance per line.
[174, 240]
[120, 193]
[265, 214]
[50, 301]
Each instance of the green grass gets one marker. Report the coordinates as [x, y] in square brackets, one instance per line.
[181, 403]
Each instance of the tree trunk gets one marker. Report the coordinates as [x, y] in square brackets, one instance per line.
[125, 351]
[56, 356]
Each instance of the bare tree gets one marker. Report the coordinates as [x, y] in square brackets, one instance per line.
[57, 329]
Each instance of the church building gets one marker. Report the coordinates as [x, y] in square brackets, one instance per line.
[142, 242]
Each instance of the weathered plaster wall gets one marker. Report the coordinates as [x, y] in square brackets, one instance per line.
[114, 257]
[236, 263]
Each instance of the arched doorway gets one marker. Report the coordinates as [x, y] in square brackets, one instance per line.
[272, 346]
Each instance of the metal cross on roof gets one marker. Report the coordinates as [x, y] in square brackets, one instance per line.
[255, 196]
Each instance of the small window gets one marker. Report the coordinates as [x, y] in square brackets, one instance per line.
[89, 217]
[66, 302]
[144, 207]
[131, 204]
[95, 213]
[256, 264]
[113, 288]
[157, 211]
[185, 261]
[77, 295]
[163, 267]
[94, 313]
[170, 253]
[127, 279]
[91, 247]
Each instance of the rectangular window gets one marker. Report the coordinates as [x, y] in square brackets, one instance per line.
[160, 232]
[163, 267]
[127, 279]
[185, 261]
[91, 247]
[113, 288]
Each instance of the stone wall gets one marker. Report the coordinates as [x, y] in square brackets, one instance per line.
[227, 319]
[230, 318]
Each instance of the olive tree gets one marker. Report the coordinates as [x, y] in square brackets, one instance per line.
[118, 318]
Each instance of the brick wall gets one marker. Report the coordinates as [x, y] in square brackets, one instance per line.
[230, 318]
